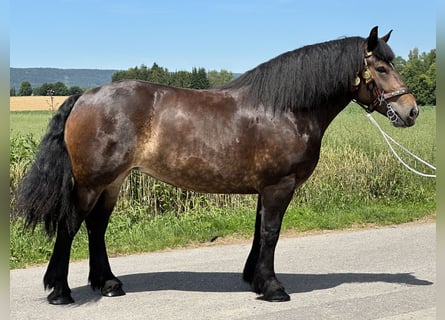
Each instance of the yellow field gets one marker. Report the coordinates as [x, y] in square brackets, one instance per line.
[35, 103]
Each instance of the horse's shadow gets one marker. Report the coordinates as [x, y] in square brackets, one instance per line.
[232, 282]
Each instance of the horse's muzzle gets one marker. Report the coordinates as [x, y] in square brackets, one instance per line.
[400, 120]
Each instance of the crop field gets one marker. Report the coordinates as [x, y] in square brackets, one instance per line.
[357, 183]
[35, 103]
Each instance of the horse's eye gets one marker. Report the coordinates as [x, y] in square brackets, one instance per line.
[381, 69]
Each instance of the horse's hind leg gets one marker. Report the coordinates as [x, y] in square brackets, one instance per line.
[100, 276]
[259, 270]
[56, 276]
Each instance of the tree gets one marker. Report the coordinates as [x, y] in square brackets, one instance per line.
[181, 79]
[419, 74]
[118, 76]
[399, 63]
[196, 79]
[217, 79]
[25, 89]
[60, 89]
[75, 90]
[43, 89]
[199, 79]
[158, 74]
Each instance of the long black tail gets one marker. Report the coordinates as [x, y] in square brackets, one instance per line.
[45, 193]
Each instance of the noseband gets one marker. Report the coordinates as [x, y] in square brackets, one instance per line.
[381, 97]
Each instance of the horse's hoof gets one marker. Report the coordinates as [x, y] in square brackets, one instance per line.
[112, 288]
[59, 299]
[276, 296]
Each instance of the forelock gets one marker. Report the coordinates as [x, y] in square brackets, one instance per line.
[383, 51]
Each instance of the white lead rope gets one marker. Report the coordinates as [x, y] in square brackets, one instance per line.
[387, 138]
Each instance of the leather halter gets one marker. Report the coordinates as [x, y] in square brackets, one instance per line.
[380, 95]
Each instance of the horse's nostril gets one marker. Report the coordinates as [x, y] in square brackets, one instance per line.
[414, 112]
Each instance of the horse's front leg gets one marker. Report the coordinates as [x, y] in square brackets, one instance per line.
[274, 201]
[250, 266]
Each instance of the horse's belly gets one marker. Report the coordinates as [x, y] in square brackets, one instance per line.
[199, 175]
[219, 153]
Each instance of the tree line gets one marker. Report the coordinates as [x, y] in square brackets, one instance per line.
[46, 89]
[198, 78]
[418, 73]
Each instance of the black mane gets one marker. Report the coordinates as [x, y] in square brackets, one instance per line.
[309, 77]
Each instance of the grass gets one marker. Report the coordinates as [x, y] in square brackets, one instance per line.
[357, 183]
[33, 123]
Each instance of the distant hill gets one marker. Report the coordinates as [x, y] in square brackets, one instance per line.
[84, 78]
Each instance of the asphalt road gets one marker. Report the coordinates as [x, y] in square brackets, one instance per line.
[386, 273]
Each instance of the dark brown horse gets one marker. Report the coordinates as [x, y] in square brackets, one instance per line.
[259, 134]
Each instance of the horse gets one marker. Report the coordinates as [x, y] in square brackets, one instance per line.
[259, 134]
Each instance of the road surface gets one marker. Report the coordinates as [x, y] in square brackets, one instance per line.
[387, 273]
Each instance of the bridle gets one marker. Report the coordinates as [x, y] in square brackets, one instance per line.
[381, 97]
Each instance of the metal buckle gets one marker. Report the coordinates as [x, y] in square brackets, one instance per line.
[381, 98]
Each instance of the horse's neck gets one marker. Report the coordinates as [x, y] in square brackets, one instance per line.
[326, 114]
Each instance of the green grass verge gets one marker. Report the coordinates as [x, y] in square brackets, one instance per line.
[29, 122]
[136, 232]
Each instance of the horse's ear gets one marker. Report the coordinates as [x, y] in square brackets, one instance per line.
[386, 37]
[373, 39]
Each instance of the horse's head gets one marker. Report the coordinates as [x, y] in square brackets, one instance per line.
[379, 86]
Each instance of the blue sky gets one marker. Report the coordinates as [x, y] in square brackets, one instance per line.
[236, 35]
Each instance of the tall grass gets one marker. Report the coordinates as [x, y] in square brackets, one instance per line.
[357, 181]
